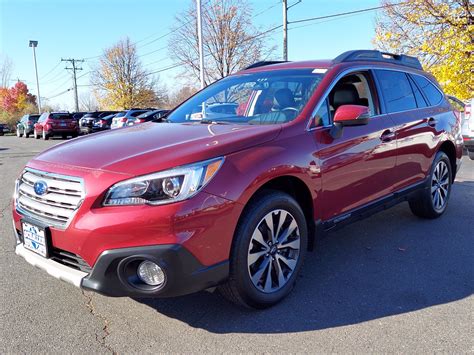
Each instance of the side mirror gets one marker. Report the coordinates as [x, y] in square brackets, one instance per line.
[348, 115]
[352, 115]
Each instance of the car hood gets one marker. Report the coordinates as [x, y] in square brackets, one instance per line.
[150, 147]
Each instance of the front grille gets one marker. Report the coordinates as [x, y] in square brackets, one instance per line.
[58, 205]
[70, 260]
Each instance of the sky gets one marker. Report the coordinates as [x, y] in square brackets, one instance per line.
[84, 28]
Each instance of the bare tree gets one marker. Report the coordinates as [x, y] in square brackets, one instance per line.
[230, 40]
[181, 95]
[120, 80]
[6, 67]
[88, 102]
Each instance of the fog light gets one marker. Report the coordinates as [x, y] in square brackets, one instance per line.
[150, 273]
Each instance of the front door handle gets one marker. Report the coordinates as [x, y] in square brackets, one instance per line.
[387, 136]
[431, 122]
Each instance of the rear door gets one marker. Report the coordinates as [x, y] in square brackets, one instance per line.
[416, 121]
[357, 168]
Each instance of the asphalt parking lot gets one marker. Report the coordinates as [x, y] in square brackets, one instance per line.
[390, 283]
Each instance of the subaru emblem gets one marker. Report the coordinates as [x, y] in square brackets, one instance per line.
[40, 187]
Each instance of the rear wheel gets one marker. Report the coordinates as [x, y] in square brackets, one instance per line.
[64, 136]
[26, 134]
[471, 154]
[35, 134]
[267, 253]
[433, 200]
[18, 133]
[45, 136]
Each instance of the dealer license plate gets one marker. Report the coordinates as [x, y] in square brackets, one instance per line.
[34, 239]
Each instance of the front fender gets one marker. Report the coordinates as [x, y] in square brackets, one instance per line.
[244, 173]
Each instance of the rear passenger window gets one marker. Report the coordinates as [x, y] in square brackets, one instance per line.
[431, 92]
[420, 100]
[396, 90]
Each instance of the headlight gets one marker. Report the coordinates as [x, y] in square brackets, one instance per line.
[163, 187]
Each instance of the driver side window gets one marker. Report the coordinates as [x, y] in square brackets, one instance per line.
[352, 89]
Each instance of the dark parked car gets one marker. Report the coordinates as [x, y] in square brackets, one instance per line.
[78, 115]
[103, 123]
[55, 124]
[87, 120]
[146, 117]
[26, 125]
[166, 209]
[3, 129]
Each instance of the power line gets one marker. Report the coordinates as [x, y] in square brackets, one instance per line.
[345, 13]
[61, 93]
[49, 72]
[267, 9]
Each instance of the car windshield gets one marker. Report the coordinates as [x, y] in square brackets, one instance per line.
[121, 114]
[269, 97]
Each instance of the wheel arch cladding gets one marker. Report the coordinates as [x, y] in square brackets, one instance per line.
[448, 148]
[297, 189]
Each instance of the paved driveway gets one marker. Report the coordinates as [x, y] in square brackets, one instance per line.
[391, 283]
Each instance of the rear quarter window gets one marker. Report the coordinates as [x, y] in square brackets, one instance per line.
[432, 93]
[396, 89]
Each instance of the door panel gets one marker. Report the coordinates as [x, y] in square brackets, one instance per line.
[356, 168]
[417, 139]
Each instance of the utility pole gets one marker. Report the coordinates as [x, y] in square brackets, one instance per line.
[285, 26]
[34, 44]
[74, 69]
[285, 30]
[201, 54]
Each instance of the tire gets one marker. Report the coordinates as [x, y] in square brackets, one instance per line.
[252, 255]
[432, 201]
[471, 154]
[64, 136]
[18, 133]
[35, 134]
[26, 135]
[45, 136]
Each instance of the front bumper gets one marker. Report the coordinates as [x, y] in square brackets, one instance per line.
[114, 273]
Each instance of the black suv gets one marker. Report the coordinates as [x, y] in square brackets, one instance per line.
[87, 120]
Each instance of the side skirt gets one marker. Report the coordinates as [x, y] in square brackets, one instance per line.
[369, 209]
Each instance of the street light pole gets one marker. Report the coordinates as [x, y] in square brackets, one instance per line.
[201, 55]
[34, 44]
[285, 30]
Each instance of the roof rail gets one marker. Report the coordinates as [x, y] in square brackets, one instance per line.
[263, 63]
[377, 56]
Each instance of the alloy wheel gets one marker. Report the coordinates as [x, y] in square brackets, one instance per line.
[274, 251]
[440, 186]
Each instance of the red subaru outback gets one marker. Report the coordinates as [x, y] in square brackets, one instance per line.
[55, 124]
[236, 200]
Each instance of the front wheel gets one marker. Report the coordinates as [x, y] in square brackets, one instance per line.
[432, 201]
[268, 251]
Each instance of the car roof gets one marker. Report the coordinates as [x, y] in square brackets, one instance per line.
[307, 64]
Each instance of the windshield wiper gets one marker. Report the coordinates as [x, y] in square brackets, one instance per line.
[208, 121]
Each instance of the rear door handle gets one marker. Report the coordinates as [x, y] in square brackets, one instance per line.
[431, 122]
[387, 136]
